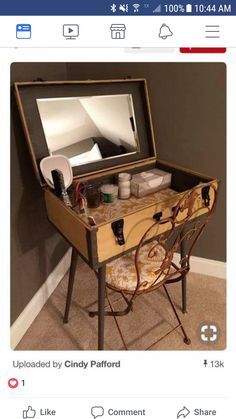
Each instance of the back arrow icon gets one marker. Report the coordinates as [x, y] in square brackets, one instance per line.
[183, 412]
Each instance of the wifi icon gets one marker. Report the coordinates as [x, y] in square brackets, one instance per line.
[136, 7]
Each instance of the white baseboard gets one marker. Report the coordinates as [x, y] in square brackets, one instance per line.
[206, 266]
[30, 312]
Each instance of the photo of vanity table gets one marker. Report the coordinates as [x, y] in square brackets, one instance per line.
[104, 128]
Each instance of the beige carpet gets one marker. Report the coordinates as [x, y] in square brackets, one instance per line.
[152, 317]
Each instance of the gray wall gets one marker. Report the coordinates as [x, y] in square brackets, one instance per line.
[188, 108]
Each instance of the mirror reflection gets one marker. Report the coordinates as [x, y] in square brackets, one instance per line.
[89, 128]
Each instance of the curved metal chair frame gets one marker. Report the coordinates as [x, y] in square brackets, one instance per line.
[186, 224]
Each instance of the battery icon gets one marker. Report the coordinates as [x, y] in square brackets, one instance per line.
[188, 8]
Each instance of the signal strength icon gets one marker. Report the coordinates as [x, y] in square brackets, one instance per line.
[157, 9]
[136, 7]
[124, 8]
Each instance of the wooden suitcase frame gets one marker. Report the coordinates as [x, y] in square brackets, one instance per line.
[97, 245]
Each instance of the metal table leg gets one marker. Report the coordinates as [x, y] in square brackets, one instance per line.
[73, 265]
[101, 305]
[184, 280]
[184, 295]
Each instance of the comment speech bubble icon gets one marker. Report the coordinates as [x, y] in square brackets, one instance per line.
[97, 411]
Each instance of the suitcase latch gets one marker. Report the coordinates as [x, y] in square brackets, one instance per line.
[157, 216]
[117, 228]
[206, 195]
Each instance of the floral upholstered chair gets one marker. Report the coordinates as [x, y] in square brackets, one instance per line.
[153, 264]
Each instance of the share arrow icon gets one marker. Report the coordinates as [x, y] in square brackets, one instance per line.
[183, 412]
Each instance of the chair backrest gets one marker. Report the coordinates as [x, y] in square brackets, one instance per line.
[170, 235]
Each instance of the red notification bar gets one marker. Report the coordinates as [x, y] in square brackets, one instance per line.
[202, 50]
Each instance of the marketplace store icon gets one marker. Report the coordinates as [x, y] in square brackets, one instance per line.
[118, 31]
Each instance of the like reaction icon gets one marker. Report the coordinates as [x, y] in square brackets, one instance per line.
[29, 413]
[13, 383]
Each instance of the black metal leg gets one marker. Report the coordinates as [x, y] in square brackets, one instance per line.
[184, 281]
[101, 305]
[73, 265]
[184, 294]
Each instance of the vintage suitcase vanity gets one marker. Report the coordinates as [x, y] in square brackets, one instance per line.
[118, 118]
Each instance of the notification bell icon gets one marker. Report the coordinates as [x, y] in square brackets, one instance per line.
[165, 31]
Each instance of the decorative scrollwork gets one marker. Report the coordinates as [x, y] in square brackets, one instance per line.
[183, 225]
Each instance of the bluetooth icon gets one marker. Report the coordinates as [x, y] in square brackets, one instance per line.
[113, 8]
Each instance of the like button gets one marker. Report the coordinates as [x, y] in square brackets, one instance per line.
[29, 413]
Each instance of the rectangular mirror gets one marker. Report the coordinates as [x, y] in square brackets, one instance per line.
[89, 128]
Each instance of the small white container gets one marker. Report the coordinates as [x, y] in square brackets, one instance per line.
[124, 185]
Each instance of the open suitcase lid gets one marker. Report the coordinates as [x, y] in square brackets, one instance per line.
[98, 124]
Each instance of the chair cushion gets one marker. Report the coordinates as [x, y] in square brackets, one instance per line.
[121, 272]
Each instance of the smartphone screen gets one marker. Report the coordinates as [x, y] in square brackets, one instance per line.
[117, 149]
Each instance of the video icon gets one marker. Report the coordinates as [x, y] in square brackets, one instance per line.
[70, 31]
